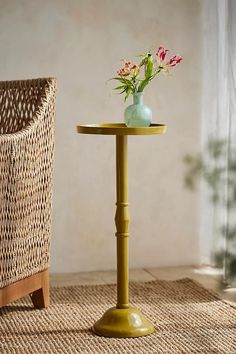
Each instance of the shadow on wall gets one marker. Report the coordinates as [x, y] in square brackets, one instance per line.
[217, 167]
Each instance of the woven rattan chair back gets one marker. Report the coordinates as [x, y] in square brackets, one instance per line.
[27, 113]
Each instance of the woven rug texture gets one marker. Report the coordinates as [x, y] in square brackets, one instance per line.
[187, 318]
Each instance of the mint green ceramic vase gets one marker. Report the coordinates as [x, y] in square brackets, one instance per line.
[137, 114]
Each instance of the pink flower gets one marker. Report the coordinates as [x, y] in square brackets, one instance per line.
[161, 53]
[176, 59]
[126, 63]
[135, 69]
[123, 72]
[128, 69]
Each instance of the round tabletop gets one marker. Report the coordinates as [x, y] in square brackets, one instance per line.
[120, 129]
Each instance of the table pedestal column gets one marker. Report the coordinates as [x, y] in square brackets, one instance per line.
[122, 320]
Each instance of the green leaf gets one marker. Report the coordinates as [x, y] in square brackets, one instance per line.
[128, 92]
[122, 91]
[123, 80]
[143, 84]
[149, 67]
[119, 87]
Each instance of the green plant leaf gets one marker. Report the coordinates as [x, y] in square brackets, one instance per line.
[119, 87]
[123, 80]
[143, 84]
[149, 66]
[122, 91]
[128, 92]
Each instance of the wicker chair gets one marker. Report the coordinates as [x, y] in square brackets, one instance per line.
[27, 112]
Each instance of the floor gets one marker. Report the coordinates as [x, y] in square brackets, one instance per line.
[210, 278]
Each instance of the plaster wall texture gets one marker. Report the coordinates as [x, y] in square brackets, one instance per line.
[81, 43]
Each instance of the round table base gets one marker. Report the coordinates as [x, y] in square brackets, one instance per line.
[123, 323]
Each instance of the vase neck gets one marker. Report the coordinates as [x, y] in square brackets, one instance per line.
[138, 98]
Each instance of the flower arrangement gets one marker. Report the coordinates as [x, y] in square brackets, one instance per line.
[135, 77]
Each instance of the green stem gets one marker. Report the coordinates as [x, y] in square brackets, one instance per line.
[134, 82]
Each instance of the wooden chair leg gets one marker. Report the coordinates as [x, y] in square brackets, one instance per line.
[37, 285]
[40, 297]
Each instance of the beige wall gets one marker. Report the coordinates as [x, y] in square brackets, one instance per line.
[80, 43]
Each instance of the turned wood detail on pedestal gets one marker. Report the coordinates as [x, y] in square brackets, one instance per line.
[122, 223]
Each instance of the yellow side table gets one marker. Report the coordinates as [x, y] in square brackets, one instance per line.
[122, 320]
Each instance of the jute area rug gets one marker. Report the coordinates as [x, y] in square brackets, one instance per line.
[187, 318]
